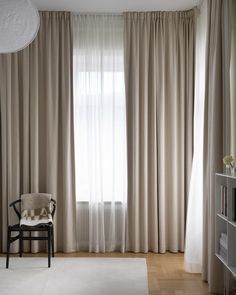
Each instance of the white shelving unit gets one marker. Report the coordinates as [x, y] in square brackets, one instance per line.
[225, 224]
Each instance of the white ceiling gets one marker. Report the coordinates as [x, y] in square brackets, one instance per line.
[116, 6]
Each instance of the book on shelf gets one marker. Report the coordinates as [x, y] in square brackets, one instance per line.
[224, 201]
[223, 245]
[223, 241]
[234, 204]
[223, 236]
[223, 255]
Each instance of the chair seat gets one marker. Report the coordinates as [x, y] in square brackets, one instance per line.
[35, 222]
[40, 227]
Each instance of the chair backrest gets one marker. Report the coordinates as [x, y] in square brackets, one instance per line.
[36, 209]
[35, 201]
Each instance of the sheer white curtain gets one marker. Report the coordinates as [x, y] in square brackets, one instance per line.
[100, 132]
[194, 227]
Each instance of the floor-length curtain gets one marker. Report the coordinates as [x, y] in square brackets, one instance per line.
[213, 137]
[100, 132]
[233, 77]
[159, 79]
[193, 239]
[37, 146]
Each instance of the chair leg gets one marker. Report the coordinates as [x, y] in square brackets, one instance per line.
[8, 245]
[20, 243]
[49, 246]
[52, 233]
[30, 242]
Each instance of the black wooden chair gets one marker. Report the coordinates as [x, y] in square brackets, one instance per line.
[35, 212]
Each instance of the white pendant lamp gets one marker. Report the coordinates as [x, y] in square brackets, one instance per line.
[19, 24]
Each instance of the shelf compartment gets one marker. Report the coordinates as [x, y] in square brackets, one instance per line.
[221, 227]
[225, 202]
[231, 245]
[222, 200]
[232, 269]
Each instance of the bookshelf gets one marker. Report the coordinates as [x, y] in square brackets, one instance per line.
[225, 223]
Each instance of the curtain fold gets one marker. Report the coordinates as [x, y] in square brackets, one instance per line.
[100, 132]
[37, 126]
[213, 136]
[194, 226]
[233, 77]
[159, 79]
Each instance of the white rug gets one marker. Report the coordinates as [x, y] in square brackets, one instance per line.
[74, 276]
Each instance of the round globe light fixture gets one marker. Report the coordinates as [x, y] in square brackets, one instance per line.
[19, 24]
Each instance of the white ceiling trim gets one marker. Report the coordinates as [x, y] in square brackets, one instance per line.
[114, 6]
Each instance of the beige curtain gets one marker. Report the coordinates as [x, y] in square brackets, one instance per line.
[159, 75]
[37, 126]
[233, 76]
[213, 136]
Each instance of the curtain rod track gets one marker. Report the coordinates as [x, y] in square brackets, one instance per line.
[95, 13]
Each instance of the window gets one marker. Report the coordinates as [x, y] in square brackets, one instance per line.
[99, 109]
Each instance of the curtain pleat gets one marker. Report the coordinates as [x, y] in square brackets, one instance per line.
[37, 126]
[233, 77]
[213, 138]
[159, 78]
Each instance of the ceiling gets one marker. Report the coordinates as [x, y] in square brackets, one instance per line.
[115, 6]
